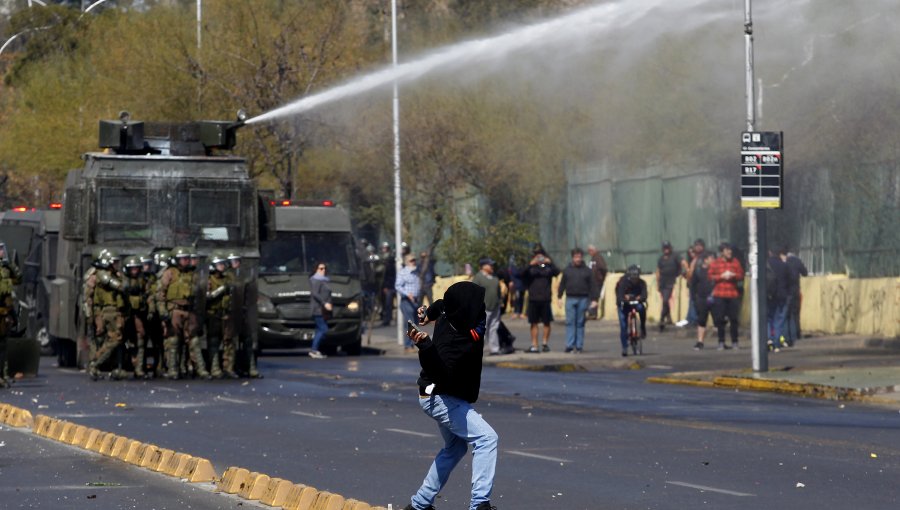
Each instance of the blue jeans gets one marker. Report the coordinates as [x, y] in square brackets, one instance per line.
[777, 316]
[576, 307]
[460, 425]
[408, 309]
[321, 329]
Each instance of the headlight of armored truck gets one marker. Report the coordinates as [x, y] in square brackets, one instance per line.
[264, 305]
[353, 306]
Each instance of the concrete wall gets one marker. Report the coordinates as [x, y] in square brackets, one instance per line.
[833, 304]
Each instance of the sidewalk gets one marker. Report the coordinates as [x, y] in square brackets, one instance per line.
[843, 367]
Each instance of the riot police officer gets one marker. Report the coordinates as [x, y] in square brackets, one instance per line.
[219, 326]
[10, 276]
[104, 304]
[242, 300]
[175, 298]
[137, 309]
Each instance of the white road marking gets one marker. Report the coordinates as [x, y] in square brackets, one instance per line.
[172, 405]
[163, 388]
[232, 400]
[67, 488]
[536, 456]
[709, 489]
[311, 415]
[411, 432]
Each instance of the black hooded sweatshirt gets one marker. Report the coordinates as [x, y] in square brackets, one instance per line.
[451, 360]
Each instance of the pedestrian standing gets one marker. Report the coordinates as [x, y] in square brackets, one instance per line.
[449, 384]
[693, 261]
[726, 272]
[427, 275]
[10, 276]
[407, 288]
[600, 270]
[321, 307]
[486, 279]
[388, 280]
[539, 277]
[580, 287]
[668, 269]
[776, 300]
[701, 288]
[796, 269]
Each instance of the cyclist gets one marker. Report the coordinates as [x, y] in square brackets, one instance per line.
[630, 288]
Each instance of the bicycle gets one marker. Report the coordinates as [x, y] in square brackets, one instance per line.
[633, 325]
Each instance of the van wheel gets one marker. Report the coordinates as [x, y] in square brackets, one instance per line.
[354, 349]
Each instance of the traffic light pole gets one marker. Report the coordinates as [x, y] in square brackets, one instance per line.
[756, 225]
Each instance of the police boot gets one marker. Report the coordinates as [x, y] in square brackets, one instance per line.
[215, 368]
[253, 372]
[93, 371]
[228, 360]
[197, 358]
[139, 363]
[171, 348]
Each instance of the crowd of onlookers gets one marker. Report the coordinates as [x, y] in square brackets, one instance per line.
[715, 282]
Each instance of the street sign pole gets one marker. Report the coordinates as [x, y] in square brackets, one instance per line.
[756, 224]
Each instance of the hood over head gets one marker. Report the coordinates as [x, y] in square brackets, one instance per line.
[464, 305]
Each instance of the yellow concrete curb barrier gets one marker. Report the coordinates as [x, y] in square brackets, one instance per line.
[199, 470]
[15, 417]
[276, 492]
[300, 497]
[678, 380]
[233, 480]
[255, 486]
[79, 436]
[804, 389]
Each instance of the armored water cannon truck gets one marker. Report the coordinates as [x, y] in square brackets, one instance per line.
[155, 186]
[308, 233]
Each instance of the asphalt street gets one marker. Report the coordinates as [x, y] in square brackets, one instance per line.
[602, 439]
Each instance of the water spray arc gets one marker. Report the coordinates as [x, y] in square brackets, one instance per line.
[581, 23]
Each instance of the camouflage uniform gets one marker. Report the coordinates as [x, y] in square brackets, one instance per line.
[220, 328]
[10, 276]
[104, 304]
[136, 318]
[175, 298]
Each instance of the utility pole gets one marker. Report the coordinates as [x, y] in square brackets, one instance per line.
[756, 224]
[398, 215]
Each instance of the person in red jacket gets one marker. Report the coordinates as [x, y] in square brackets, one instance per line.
[725, 272]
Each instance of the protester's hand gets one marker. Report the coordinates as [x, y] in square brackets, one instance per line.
[422, 313]
[594, 304]
[328, 306]
[417, 336]
[727, 275]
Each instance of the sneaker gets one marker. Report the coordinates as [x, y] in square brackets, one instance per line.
[410, 507]
[569, 349]
[485, 506]
[579, 351]
[735, 346]
[722, 346]
[533, 349]
[682, 323]
[698, 346]
[545, 348]
[317, 355]
[507, 350]
[625, 352]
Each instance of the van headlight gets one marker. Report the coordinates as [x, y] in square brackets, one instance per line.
[353, 306]
[264, 305]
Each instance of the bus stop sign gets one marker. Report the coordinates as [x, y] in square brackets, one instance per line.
[762, 170]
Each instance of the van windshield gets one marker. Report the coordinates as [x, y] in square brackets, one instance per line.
[299, 252]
